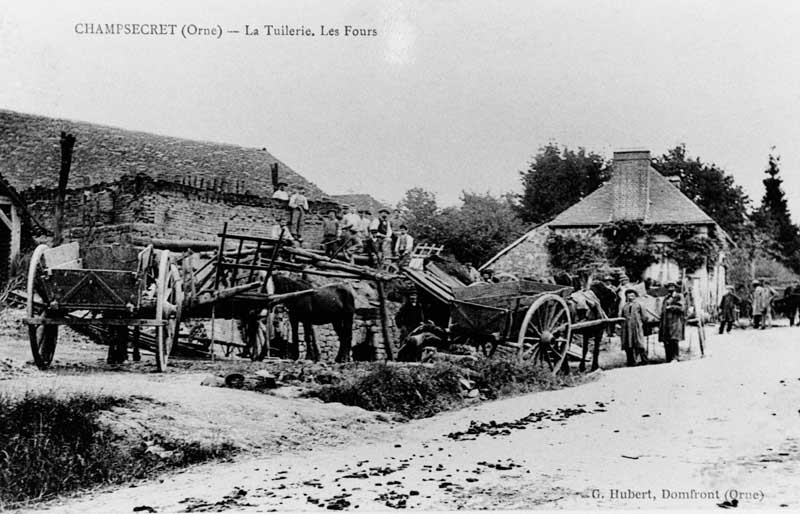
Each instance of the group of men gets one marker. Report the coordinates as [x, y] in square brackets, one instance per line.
[344, 233]
[671, 331]
[351, 232]
[763, 297]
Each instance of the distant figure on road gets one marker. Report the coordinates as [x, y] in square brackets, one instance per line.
[673, 322]
[762, 299]
[632, 335]
[727, 310]
[792, 298]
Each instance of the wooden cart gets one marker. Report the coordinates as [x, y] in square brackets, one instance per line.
[134, 289]
[531, 317]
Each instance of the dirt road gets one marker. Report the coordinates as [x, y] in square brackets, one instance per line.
[677, 435]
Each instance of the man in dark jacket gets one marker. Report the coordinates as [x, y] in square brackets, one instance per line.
[792, 299]
[673, 322]
[727, 310]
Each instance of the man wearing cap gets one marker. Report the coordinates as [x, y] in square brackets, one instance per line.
[281, 193]
[727, 310]
[351, 242]
[330, 232]
[349, 216]
[632, 335]
[298, 205]
[673, 322]
[381, 231]
[404, 244]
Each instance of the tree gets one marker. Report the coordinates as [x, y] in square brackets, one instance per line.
[709, 187]
[556, 179]
[481, 227]
[421, 214]
[474, 231]
[773, 217]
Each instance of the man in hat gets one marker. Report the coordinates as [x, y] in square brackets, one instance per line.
[487, 275]
[727, 310]
[673, 322]
[404, 244]
[381, 231]
[350, 216]
[281, 193]
[330, 232]
[632, 335]
[351, 243]
[792, 296]
[761, 304]
[298, 205]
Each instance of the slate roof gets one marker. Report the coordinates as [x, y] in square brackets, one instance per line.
[30, 155]
[635, 192]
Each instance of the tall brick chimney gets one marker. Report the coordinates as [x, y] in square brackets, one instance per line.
[630, 185]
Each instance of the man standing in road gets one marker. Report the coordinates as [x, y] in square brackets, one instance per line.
[762, 298]
[632, 335]
[673, 323]
[792, 298]
[727, 310]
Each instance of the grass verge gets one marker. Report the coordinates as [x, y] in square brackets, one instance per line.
[52, 445]
[419, 391]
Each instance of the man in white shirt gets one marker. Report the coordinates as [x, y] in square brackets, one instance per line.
[298, 205]
[381, 231]
[281, 193]
[404, 244]
[280, 227]
[349, 216]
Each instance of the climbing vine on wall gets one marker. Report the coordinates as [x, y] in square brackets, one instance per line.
[631, 244]
[572, 253]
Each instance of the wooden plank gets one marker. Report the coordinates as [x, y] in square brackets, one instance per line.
[5, 220]
[387, 343]
[130, 322]
[53, 257]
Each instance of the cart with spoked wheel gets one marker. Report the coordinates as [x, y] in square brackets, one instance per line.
[531, 318]
[113, 286]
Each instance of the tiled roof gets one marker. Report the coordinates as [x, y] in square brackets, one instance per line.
[361, 201]
[635, 192]
[30, 155]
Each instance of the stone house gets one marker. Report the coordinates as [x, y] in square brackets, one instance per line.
[635, 192]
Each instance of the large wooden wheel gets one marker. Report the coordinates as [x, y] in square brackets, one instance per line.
[545, 332]
[169, 303]
[43, 337]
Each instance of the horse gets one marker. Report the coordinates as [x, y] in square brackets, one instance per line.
[334, 304]
[607, 302]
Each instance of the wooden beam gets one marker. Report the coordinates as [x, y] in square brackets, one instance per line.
[5, 220]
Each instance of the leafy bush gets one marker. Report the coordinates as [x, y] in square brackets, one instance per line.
[53, 445]
[414, 391]
[422, 391]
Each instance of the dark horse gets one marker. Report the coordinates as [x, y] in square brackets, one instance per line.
[607, 307]
[334, 304]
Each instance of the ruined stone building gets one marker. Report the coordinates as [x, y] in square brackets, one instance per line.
[127, 185]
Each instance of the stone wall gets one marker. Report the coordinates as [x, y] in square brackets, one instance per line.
[141, 206]
[529, 258]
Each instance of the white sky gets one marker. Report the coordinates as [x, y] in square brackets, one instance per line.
[450, 95]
